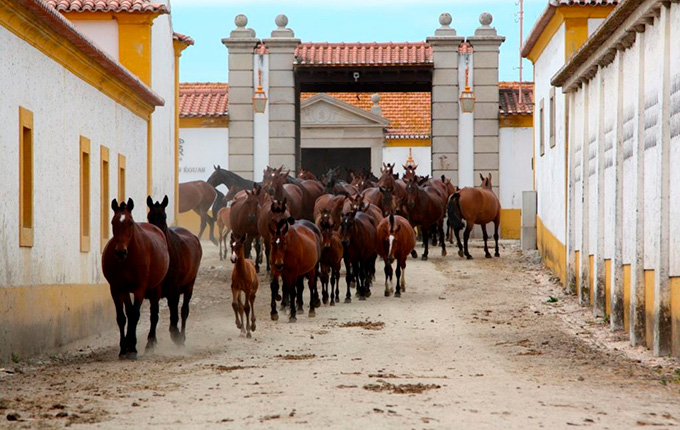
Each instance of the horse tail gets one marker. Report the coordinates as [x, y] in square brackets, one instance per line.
[391, 239]
[455, 214]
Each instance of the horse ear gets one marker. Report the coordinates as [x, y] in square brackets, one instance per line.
[130, 204]
[291, 220]
[382, 189]
[164, 203]
[489, 178]
[149, 202]
[481, 176]
[114, 205]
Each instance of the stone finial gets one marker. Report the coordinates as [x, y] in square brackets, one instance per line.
[376, 109]
[281, 31]
[281, 21]
[485, 19]
[485, 29]
[241, 32]
[445, 30]
[445, 20]
[241, 21]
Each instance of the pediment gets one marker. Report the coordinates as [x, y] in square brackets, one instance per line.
[323, 110]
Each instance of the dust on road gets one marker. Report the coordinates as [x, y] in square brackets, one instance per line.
[470, 344]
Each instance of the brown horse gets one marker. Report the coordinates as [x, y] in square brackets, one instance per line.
[396, 240]
[426, 210]
[275, 184]
[357, 203]
[243, 280]
[475, 206]
[224, 228]
[199, 197]
[331, 257]
[332, 204]
[295, 252]
[135, 261]
[243, 220]
[387, 180]
[359, 242]
[185, 254]
[306, 174]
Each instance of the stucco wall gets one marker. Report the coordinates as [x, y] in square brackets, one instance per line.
[103, 32]
[398, 155]
[610, 85]
[591, 162]
[515, 165]
[200, 150]
[674, 268]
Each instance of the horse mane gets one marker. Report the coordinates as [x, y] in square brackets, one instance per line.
[230, 179]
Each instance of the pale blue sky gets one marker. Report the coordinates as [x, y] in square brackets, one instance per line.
[208, 21]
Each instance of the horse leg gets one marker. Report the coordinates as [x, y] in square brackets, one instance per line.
[258, 255]
[267, 247]
[285, 302]
[313, 293]
[173, 304]
[291, 297]
[246, 307]
[426, 242]
[348, 278]
[388, 278]
[153, 314]
[299, 290]
[251, 298]
[188, 292]
[221, 237]
[398, 293]
[466, 237]
[460, 244]
[274, 286]
[486, 237]
[248, 246]
[440, 228]
[203, 223]
[132, 311]
[118, 301]
[433, 232]
[211, 221]
[496, 224]
[323, 276]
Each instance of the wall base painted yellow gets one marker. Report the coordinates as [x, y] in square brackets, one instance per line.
[34, 319]
[511, 223]
[675, 316]
[192, 222]
[626, 297]
[649, 308]
[554, 253]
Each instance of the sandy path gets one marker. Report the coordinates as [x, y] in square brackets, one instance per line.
[471, 344]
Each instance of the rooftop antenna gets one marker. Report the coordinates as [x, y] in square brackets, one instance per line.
[521, 39]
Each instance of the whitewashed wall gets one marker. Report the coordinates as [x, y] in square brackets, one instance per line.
[398, 155]
[163, 119]
[64, 108]
[550, 186]
[466, 127]
[610, 84]
[593, 23]
[200, 150]
[591, 163]
[674, 268]
[516, 144]
[577, 170]
[261, 121]
[103, 33]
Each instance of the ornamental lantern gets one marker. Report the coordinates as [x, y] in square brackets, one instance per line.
[467, 97]
[259, 98]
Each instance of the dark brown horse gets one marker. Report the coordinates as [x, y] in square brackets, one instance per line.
[396, 240]
[426, 210]
[243, 220]
[275, 183]
[332, 204]
[295, 252]
[359, 242]
[357, 203]
[199, 196]
[475, 206]
[185, 254]
[334, 185]
[135, 261]
[331, 257]
[243, 280]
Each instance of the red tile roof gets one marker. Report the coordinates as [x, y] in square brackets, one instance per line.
[199, 99]
[584, 2]
[183, 38]
[363, 54]
[107, 6]
[70, 33]
[509, 103]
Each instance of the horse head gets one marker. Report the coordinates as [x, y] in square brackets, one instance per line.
[486, 182]
[123, 226]
[237, 247]
[412, 190]
[279, 241]
[326, 225]
[156, 214]
[346, 228]
[409, 172]
[388, 201]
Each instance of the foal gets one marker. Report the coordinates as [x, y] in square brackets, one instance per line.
[224, 225]
[243, 279]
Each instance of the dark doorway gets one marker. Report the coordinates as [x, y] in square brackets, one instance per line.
[320, 160]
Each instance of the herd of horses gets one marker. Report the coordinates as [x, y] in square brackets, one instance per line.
[309, 227]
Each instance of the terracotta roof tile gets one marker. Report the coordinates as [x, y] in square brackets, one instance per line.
[584, 2]
[365, 54]
[183, 38]
[108, 6]
[203, 99]
[509, 103]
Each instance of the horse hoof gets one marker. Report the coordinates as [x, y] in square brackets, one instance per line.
[387, 293]
[424, 258]
[278, 297]
[275, 316]
[325, 301]
[332, 303]
[292, 319]
[252, 327]
[469, 257]
[368, 293]
[348, 300]
[414, 254]
[131, 356]
[122, 355]
[312, 314]
[460, 254]
[317, 303]
[397, 294]
[444, 253]
[248, 336]
[239, 325]
[362, 298]
[497, 255]
[487, 255]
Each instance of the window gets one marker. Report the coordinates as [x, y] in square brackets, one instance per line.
[121, 178]
[541, 129]
[104, 187]
[552, 117]
[25, 177]
[84, 194]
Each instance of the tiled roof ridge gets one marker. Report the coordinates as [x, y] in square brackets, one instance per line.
[130, 6]
[363, 53]
[183, 38]
[203, 99]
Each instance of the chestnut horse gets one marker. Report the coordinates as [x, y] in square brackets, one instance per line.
[306, 174]
[135, 261]
[331, 257]
[396, 240]
[426, 210]
[295, 252]
[185, 254]
[243, 220]
[359, 252]
[223, 229]
[475, 206]
[199, 196]
[331, 203]
[243, 280]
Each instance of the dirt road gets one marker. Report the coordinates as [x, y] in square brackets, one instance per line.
[470, 344]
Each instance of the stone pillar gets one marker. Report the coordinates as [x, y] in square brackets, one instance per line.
[486, 44]
[240, 44]
[445, 93]
[282, 95]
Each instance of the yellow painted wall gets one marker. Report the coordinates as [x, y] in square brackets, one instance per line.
[203, 122]
[407, 142]
[192, 222]
[626, 296]
[511, 223]
[554, 253]
[649, 308]
[134, 44]
[517, 121]
[675, 316]
[41, 317]
[608, 286]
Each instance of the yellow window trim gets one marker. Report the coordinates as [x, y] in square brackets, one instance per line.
[122, 166]
[199, 122]
[38, 34]
[104, 186]
[26, 178]
[85, 163]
